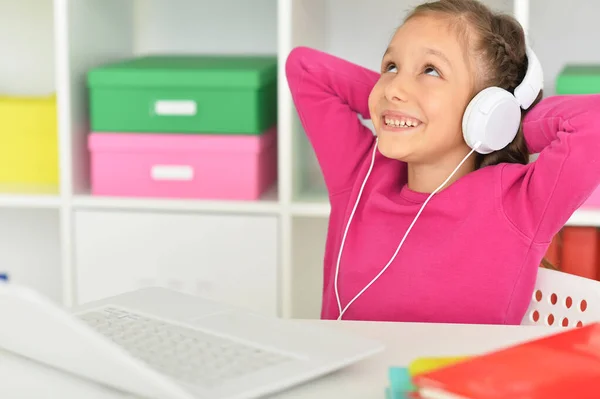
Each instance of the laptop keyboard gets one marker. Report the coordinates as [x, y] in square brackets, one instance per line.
[184, 354]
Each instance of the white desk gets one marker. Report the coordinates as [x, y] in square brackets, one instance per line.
[20, 379]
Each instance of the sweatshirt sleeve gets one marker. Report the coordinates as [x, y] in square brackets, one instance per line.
[540, 197]
[329, 93]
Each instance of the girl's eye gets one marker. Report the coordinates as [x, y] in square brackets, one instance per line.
[429, 69]
[391, 68]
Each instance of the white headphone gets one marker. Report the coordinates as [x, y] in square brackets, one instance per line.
[491, 121]
[493, 116]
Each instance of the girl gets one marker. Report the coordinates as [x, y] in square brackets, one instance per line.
[472, 255]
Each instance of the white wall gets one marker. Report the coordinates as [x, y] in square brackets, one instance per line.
[221, 26]
[27, 47]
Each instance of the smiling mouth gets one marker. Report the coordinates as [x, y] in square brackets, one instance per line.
[399, 122]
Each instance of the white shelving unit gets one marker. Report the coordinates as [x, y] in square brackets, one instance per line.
[265, 254]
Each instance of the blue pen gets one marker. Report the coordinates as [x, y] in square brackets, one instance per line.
[3, 277]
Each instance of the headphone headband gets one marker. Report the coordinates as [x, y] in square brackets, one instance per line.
[532, 83]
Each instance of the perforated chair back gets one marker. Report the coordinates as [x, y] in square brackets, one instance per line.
[562, 299]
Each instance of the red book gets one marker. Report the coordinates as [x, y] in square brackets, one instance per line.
[580, 251]
[565, 365]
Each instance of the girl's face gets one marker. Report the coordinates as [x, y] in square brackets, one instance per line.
[425, 85]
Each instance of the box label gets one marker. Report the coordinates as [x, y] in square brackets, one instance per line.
[175, 107]
[172, 172]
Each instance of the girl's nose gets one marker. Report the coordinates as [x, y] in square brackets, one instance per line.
[397, 90]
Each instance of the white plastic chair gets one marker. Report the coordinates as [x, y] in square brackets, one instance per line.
[562, 299]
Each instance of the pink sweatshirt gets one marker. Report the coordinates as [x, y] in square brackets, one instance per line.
[473, 254]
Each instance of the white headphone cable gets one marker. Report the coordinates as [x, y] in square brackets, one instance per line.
[337, 268]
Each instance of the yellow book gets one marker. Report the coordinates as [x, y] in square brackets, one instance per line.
[426, 364]
[28, 144]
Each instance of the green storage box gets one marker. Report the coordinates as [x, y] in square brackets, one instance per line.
[578, 79]
[185, 94]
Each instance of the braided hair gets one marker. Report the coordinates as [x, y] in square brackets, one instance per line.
[496, 43]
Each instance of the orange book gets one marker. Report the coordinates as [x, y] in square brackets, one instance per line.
[580, 251]
[565, 365]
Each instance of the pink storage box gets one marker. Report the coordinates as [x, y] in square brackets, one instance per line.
[183, 166]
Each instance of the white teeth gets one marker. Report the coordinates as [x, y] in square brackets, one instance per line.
[403, 122]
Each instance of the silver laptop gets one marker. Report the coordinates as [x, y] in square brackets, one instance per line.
[159, 343]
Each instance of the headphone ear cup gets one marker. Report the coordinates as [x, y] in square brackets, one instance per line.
[492, 119]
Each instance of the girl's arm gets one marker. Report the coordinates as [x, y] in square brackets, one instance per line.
[329, 93]
[565, 131]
